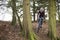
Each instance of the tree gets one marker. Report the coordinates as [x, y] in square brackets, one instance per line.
[52, 19]
[34, 11]
[27, 23]
[14, 12]
[58, 11]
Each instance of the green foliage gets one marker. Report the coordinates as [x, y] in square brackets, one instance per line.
[9, 4]
[17, 1]
[20, 6]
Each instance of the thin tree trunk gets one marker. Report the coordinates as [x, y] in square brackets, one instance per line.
[34, 9]
[14, 12]
[58, 13]
[19, 21]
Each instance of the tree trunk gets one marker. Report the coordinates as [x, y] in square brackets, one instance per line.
[27, 23]
[58, 12]
[19, 21]
[14, 12]
[52, 19]
[34, 9]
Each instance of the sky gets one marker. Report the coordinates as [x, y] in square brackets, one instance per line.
[5, 13]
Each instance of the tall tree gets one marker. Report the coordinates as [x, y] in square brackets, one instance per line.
[34, 9]
[27, 23]
[58, 2]
[14, 12]
[52, 19]
[58, 12]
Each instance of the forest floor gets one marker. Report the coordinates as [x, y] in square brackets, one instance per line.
[9, 32]
[44, 30]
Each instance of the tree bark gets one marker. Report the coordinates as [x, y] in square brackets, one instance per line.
[14, 12]
[27, 23]
[52, 19]
[34, 9]
[58, 13]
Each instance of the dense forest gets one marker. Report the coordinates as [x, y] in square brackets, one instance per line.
[19, 21]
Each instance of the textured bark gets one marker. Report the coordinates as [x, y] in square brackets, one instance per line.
[52, 19]
[27, 23]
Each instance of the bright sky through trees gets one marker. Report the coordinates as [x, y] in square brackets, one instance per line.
[6, 13]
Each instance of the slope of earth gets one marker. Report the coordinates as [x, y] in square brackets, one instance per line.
[9, 32]
[44, 30]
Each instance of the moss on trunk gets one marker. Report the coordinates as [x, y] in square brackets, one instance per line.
[52, 19]
[27, 22]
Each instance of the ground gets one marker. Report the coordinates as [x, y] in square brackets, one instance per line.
[9, 32]
[43, 32]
